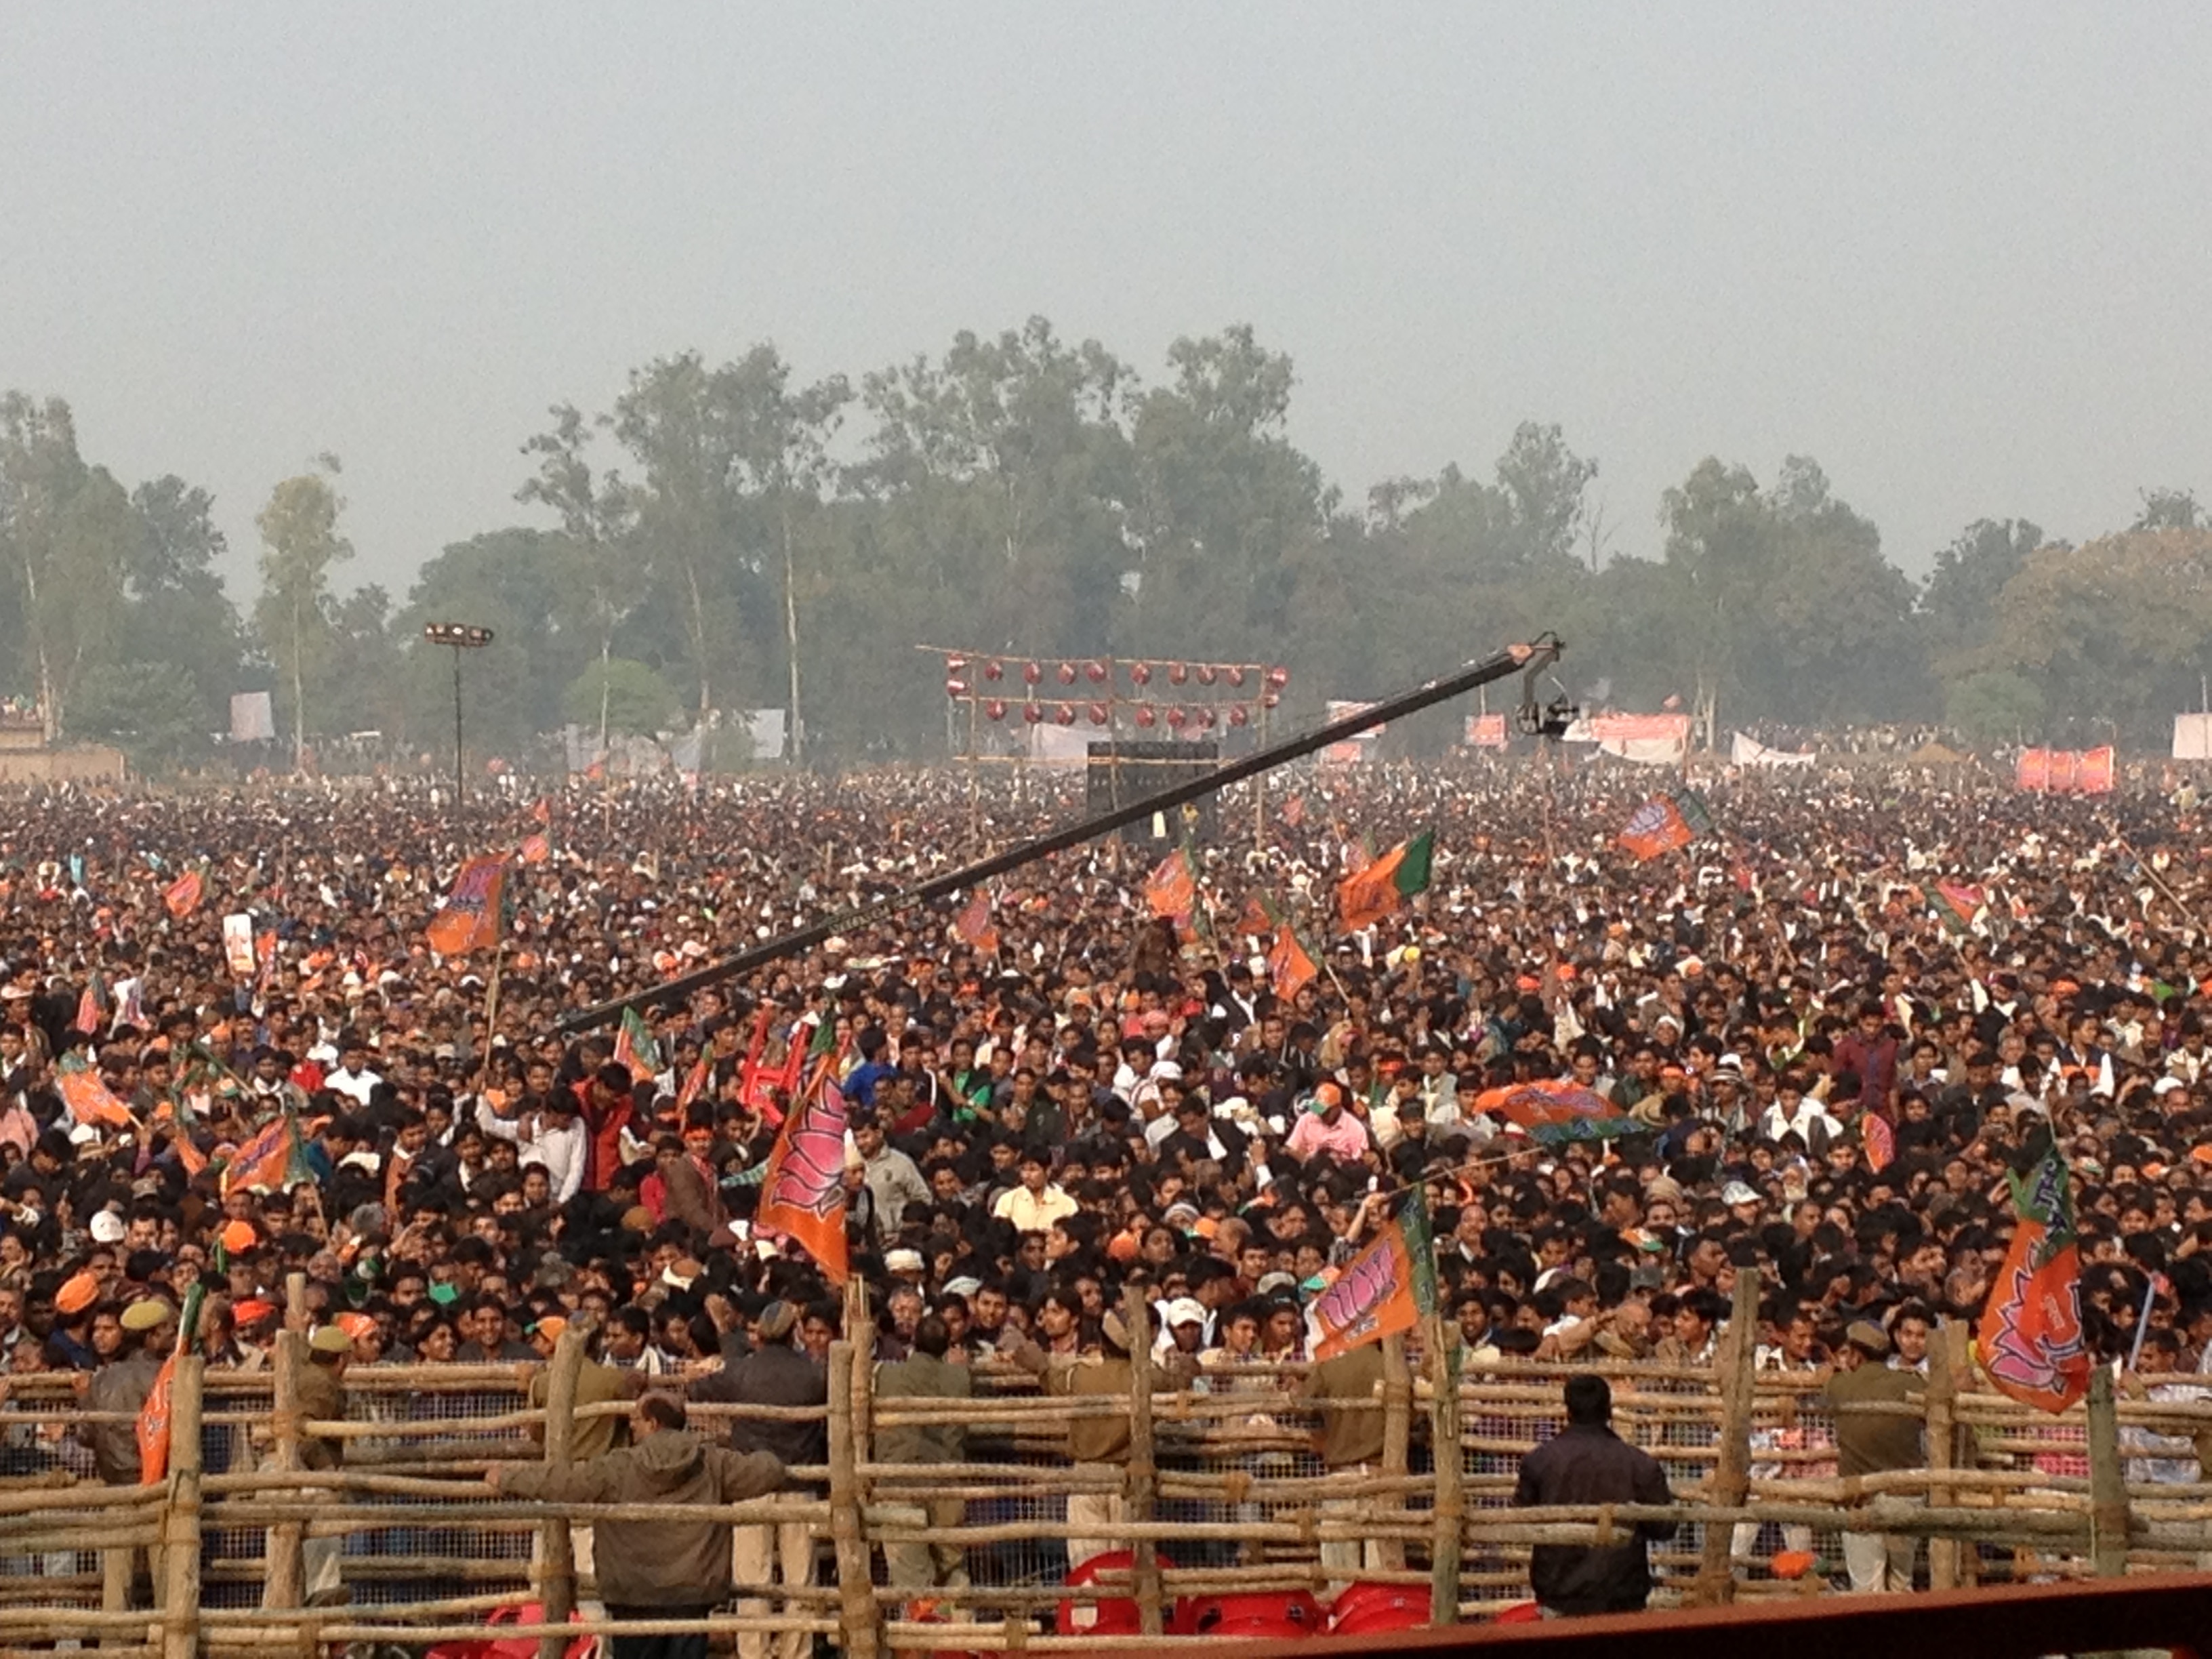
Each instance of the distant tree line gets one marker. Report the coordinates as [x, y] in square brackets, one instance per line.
[723, 536]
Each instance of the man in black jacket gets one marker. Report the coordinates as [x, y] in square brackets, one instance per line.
[1590, 1465]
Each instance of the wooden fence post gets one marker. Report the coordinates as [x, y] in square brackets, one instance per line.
[2108, 1481]
[1142, 1478]
[281, 1564]
[1737, 1358]
[1397, 1435]
[1958, 1355]
[1441, 1340]
[859, 1628]
[181, 1518]
[1943, 1438]
[557, 1590]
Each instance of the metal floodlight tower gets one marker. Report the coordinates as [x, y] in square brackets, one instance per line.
[462, 636]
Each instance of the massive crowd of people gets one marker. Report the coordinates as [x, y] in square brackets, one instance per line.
[1833, 1025]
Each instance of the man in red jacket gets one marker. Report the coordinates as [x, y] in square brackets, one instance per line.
[603, 1101]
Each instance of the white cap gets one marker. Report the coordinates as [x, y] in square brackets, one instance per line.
[1186, 1310]
[108, 1228]
[1737, 1192]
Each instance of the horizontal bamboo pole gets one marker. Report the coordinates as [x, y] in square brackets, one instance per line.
[238, 1512]
[311, 1624]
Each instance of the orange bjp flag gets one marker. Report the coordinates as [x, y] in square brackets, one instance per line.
[182, 896]
[802, 1192]
[2031, 1339]
[1171, 890]
[87, 1094]
[471, 916]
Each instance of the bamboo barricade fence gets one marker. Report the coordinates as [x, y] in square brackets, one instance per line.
[1221, 1494]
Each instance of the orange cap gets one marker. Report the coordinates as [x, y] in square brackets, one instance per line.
[78, 1292]
[239, 1236]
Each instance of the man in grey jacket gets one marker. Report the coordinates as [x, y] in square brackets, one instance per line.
[655, 1569]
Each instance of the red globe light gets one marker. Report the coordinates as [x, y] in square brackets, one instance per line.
[1065, 715]
[1031, 673]
[1205, 720]
[1177, 719]
[1098, 713]
[1148, 717]
[1206, 673]
[1235, 675]
[1067, 673]
[994, 670]
[1270, 701]
[1239, 716]
[1178, 672]
[955, 688]
[1141, 674]
[1096, 673]
[1278, 678]
[996, 708]
[1032, 714]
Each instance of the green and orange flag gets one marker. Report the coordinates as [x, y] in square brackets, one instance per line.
[2032, 1342]
[635, 1051]
[273, 1161]
[1367, 896]
[1389, 1287]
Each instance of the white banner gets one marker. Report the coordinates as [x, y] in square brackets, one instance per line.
[252, 718]
[1749, 751]
[2192, 737]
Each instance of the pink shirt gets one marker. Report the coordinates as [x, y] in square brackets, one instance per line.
[1345, 1140]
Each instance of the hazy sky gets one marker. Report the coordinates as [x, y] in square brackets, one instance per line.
[1959, 253]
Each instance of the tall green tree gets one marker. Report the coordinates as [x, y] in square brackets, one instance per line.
[595, 581]
[781, 436]
[300, 544]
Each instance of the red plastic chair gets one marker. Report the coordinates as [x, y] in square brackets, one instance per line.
[1111, 1615]
[1260, 1616]
[513, 1647]
[1366, 1609]
[1522, 1613]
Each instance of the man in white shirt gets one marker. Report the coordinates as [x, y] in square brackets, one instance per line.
[551, 1137]
[353, 1078]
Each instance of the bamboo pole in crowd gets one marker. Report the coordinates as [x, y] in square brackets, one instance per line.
[858, 1621]
[557, 1591]
[1440, 1341]
[1142, 1471]
[2108, 1489]
[1736, 1358]
[180, 1529]
[281, 1558]
[1942, 1442]
[1397, 1430]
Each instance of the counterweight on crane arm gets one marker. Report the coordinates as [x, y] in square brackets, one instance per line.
[1536, 718]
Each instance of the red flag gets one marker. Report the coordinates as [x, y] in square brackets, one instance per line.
[803, 1190]
[2031, 1338]
[695, 1084]
[1294, 811]
[536, 849]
